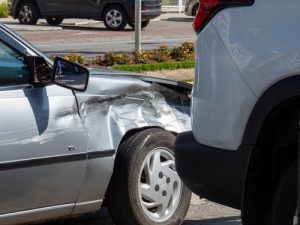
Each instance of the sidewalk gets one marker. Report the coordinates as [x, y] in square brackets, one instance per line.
[43, 26]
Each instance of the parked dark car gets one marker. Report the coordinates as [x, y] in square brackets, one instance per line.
[115, 14]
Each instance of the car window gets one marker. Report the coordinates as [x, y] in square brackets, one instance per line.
[13, 67]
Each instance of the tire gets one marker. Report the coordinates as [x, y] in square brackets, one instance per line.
[144, 24]
[194, 10]
[115, 18]
[28, 13]
[285, 199]
[135, 168]
[54, 21]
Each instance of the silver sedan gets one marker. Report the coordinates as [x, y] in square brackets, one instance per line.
[73, 138]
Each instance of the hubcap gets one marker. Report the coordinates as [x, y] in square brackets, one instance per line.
[25, 14]
[114, 18]
[159, 185]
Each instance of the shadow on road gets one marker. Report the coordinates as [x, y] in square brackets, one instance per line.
[180, 19]
[103, 218]
[232, 220]
[89, 28]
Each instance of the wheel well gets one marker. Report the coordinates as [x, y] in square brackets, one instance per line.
[21, 2]
[113, 4]
[137, 130]
[276, 149]
[194, 9]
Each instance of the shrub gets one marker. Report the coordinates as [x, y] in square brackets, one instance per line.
[142, 57]
[76, 58]
[161, 54]
[3, 10]
[122, 59]
[97, 60]
[108, 59]
[183, 52]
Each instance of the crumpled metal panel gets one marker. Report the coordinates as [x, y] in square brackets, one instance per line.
[113, 105]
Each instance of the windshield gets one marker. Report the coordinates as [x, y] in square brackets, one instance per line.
[26, 43]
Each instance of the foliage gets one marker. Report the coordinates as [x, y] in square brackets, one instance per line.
[159, 58]
[156, 66]
[3, 10]
[161, 54]
[110, 59]
[142, 57]
[76, 58]
[183, 52]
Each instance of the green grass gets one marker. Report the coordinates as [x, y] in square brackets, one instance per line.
[156, 66]
[3, 10]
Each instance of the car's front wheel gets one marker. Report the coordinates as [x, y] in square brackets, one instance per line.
[145, 188]
[115, 18]
[54, 21]
[28, 13]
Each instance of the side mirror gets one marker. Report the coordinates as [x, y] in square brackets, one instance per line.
[40, 71]
[70, 75]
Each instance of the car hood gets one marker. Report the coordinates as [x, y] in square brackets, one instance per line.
[173, 84]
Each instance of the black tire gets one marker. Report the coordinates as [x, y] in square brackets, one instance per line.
[120, 12]
[123, 199]
[144, 24]
[28, 13]
[285, 198]
[194, 10]
[54, 21]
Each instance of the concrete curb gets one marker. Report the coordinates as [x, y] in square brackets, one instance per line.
[20, 27]
[42, 25]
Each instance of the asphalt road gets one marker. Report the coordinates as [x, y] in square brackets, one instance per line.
[201, 212]
[92, 39]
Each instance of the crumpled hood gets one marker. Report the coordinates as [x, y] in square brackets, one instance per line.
[116, 102]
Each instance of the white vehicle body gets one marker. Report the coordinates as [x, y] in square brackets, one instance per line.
[245, 104]
[241, 53]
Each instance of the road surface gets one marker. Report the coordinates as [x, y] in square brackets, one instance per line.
[201, 212]
[92, 39]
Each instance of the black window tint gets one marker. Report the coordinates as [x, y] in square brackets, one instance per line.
[13, 68]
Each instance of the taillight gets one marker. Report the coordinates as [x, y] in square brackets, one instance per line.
[208, 8]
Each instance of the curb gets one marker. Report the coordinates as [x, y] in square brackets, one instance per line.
[17, 27]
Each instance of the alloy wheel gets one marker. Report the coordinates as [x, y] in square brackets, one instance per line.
[114, 18]
[25, 14]
[159, 187]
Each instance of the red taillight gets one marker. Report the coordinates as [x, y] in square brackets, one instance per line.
[207, 8]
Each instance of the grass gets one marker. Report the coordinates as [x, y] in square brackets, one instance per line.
[3, 10]
[156, 66]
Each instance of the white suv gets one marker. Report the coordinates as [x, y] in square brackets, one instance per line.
[243, 148]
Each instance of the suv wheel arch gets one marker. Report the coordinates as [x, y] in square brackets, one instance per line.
[278, 95]
[109, 4]
[273, 129]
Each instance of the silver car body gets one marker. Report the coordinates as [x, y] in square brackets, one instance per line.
[58, 146]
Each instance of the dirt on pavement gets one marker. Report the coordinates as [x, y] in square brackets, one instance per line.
[179, 74]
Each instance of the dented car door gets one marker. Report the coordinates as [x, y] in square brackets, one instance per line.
[42, 144]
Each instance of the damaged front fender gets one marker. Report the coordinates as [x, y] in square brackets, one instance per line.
[114, 105]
